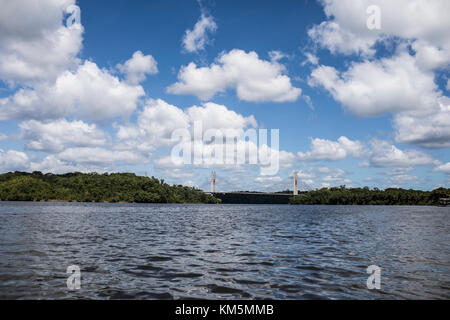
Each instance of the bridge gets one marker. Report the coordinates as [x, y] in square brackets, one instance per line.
[243, 197]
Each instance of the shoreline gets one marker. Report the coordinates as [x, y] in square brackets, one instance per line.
[243, 204]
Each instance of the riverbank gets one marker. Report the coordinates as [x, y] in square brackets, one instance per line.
[94, 187]
[366, 196]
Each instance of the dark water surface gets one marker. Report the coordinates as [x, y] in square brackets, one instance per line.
[148, 251]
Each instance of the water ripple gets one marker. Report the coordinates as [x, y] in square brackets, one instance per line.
[148, 251]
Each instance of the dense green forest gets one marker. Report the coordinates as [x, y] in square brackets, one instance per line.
[366, 196]
[94, 187]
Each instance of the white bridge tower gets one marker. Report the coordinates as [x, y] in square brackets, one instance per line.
[295, 183]
[213, 182]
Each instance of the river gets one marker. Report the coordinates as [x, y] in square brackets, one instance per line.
[175, 251]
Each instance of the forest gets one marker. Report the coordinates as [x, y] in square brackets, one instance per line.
[128, 187]
[95, 187]
[366, 196]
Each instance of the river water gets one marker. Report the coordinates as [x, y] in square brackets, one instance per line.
[155, 251]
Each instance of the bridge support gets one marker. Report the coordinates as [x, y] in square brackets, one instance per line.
[295, 183]
[213, 182]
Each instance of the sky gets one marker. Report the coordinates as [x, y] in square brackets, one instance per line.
[359, 90]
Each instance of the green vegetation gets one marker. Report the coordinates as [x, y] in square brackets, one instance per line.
[366, 196]
[94, 187]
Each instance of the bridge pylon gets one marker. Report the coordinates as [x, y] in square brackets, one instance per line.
[213, 182]
[295, 183]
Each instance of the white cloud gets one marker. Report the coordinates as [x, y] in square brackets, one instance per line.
[89, 92]
[155, 124]
[386, 155]
[54, 136]
[308, 102]
[12, 160]
[54, 165]
[276, 55]
[35, 45]
[301, 174]
[195, 40]
[178, 173]
[402, 85]
[322, 149]
[345, 30]
[397, 86]
[270, 179]
[159, 120]
[137, 67]
[427, 131]
[99, 156]
[443, 168]
[401, 179]
[430, 57]
[332, 36]
[335, 179]
[254, 79]
[399, 171]
[372, 88]
[334, 176]
[310, 58]
[215, 116]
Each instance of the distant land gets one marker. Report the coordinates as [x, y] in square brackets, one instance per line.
[95, 187]
[366, 196]
[130, 188]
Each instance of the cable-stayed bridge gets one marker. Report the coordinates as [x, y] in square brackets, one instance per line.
[242, 197]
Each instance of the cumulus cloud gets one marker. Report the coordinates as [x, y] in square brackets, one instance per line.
[322, 149]
[155, 124]
[276, 55]
[402, 85]
[345, 30]
[51, 164]
[158, 121]
[443, 168]
[401, 179]
[54, 136]
[99, 156]
[88, 92]
[427, 131]
[12, 160]
[195, 40]
[372, 88]
[137, 67]
[270, 179]
[310, 58]
[397, 86]
[35, 45]
[335, 179]
[254, 80]
[385, 155]
[215, 116]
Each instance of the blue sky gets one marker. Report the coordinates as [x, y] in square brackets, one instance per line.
[354, 105]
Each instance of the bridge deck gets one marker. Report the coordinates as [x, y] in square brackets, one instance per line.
[253, 197]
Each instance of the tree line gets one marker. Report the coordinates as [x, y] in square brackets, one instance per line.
[95, 187]
[365, 196]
